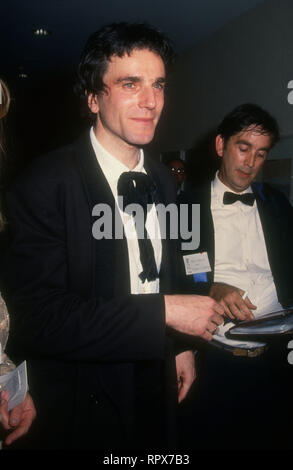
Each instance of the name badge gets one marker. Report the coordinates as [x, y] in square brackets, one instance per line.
[197, 263]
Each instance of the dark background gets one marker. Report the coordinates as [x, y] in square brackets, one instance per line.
[40, 71]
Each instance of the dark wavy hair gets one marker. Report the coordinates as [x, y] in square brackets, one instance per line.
[116, 39]
[250, 116]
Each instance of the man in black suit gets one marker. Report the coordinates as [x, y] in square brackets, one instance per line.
[247, 233]
[243, 141]
[92, 312]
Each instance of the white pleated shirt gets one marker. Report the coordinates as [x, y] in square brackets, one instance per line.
[241, 257]
[112, 169]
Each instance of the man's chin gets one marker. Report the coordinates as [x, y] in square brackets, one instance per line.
[140, 140]
[241, 188]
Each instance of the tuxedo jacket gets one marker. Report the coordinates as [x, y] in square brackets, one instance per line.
[276, 215]
[99, 359]
[260, 383]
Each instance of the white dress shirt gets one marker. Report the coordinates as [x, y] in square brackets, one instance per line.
[241, 258]
[112, 169]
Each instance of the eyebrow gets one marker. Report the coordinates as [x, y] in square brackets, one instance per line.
[136, 79]
[245, 142]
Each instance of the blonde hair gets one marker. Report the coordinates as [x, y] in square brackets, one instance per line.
[4, 99]
[4, 107]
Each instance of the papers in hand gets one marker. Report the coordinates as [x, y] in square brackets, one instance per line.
[265, 326]
[220, 338]
[15, 383]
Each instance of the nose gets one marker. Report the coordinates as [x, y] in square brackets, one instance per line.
[147, 97]
[250, 159]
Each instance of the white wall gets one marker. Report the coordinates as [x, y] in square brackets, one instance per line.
[249, 60]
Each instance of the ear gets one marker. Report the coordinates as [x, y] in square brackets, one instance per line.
[219, 145]
[93, 103]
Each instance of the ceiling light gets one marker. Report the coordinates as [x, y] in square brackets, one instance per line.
[41, 32]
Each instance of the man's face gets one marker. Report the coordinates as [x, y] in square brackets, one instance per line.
[178, 169]
[243, 155]
[130, 107]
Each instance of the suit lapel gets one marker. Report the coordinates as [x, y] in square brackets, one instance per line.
[110, 268]
[270, 220]
[208, 226]
[111, 265]
[207, 235]
[164, 196]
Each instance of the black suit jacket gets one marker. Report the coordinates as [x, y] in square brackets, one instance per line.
[97, 355]
[249, 391]
[276, 215]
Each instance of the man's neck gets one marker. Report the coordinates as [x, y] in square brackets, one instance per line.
[230, 188]
[124, 152]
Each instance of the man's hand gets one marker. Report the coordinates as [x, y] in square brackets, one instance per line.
[19, 419]
[195, 315]
[186, 374]
[230, 298]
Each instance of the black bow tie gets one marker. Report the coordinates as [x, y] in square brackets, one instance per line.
[136, 188]
[246, 198]
[139, 188]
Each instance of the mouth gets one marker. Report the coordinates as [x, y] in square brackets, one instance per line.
[243, 174]
[146, 121]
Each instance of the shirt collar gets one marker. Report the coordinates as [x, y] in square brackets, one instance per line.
[111, 166]
[218, 188]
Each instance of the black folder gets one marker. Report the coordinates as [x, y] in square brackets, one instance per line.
[264, 327]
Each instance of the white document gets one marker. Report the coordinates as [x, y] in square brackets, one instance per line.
[15, 383]
[221, 338]
[197, 263]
